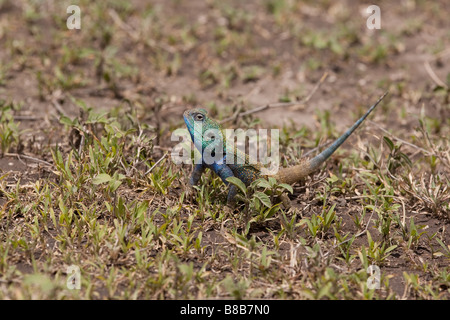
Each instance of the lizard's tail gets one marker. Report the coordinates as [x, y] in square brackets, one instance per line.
[306, 167]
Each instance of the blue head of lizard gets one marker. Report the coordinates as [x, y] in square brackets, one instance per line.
[206, 133]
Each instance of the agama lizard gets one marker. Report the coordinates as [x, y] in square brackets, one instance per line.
[200, 127]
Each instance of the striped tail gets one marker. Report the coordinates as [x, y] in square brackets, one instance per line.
[317, 161]
[298, 172]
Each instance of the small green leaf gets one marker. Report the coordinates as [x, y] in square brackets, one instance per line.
[390, 248]
[238, 183]
[264, 198]
[272, 181]
[65, 120]
[287, 187]
[270, 212]
[114, 184]
[263, 183]
[446, 249]
[439, 89]
[101, 178]
[406, 158]
[389, 142]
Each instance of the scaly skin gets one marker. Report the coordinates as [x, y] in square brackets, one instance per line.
[200, 127]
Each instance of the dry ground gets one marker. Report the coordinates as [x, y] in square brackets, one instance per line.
[87, 114]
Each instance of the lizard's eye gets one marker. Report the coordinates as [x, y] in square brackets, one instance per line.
[199, 117]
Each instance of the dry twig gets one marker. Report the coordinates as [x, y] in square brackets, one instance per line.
[430, 71]
[277, 104]
[157, 162]
[28, 158]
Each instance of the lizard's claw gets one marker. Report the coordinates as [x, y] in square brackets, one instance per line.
[190, 192]
[229, 211]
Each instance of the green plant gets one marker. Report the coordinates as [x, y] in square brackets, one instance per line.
[377, 251]
[9, 129]
[260, 203]
[319, 225]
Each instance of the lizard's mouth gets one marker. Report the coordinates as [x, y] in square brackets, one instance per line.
[189, 124]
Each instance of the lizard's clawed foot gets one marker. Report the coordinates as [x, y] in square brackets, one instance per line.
[228, 210]
[190, 193]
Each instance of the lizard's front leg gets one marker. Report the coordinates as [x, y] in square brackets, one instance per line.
[196, 174]
[224, 172]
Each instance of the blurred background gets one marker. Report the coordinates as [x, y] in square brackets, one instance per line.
[221, 54]
[86, 117]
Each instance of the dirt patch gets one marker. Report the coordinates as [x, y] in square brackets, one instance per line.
[85, 113]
